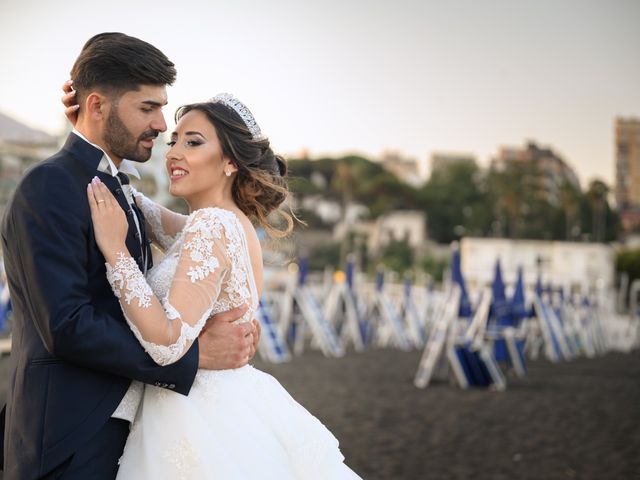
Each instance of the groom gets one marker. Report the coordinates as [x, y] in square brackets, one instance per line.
[74, 357]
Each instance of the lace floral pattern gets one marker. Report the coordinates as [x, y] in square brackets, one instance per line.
[201, 247]
[210, 382]
[168, 354]
[153, 215]
[183, 457]
[214, 262]
[160, 394]
[238, 287]
[129, 403]
[125, 277]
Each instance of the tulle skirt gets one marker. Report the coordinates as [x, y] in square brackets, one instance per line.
[235, 424]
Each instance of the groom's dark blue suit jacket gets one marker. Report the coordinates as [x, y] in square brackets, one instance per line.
[73, 354]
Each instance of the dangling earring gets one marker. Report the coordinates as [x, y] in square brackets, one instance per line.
[227, 173]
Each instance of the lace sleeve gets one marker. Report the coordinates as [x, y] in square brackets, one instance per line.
[166, 328]
[164, 223]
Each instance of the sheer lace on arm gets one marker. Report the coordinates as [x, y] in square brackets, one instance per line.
[164, 223]
[166, 328]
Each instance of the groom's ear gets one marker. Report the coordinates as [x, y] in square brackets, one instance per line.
[97, 106]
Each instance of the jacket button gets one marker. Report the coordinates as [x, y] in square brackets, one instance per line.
[118, 191]
[137, 235]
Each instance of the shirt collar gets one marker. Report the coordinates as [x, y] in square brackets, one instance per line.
[107, 166]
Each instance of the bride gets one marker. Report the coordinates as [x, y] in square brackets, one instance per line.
[234, 424]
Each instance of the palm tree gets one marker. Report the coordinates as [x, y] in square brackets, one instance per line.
[597, 196]
[570, 204]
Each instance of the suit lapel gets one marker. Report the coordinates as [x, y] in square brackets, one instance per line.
[146, 243]
[132, 242]
[90, 157]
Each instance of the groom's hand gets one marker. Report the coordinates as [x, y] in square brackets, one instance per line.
[223, 344]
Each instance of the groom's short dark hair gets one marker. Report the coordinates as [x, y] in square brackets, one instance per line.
[115, 63]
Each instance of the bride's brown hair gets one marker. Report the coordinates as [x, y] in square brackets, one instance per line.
[260, 185]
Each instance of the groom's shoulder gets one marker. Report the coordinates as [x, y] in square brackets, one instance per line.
[56, 168]
[64, 164]
[51, 179]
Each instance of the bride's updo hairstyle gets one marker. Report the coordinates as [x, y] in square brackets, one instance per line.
[259, 186]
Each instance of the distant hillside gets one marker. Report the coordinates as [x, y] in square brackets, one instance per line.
[12, 131]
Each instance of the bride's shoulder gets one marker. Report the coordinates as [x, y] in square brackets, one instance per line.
[214, 220]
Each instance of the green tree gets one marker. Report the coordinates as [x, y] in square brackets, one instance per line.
[435, 267]
[352, 179]
[462, 199]
[456, 201]
[628, 261]
[397, 255]
[570, 205]
[516, 199]
[598, 218]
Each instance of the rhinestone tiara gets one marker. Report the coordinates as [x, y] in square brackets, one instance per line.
[242, 110]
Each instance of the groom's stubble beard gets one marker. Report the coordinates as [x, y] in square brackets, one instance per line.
[120, 141]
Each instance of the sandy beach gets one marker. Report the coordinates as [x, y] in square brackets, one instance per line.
[572, 420]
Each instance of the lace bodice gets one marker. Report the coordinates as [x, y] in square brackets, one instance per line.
[206, 270]
[163, 225]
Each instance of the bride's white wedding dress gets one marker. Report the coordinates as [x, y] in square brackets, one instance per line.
[234, 424]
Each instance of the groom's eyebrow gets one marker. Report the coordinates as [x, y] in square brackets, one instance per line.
[154, 103]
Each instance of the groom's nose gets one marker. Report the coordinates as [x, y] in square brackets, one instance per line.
[158, 122]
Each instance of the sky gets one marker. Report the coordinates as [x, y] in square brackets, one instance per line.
[415, 77]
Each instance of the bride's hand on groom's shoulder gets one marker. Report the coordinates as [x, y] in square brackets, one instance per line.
[109, 221]
[70, 102]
